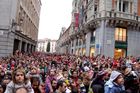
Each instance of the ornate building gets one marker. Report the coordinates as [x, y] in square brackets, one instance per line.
[107, 27]
[43, 43]
[19, 25]
[63, 43]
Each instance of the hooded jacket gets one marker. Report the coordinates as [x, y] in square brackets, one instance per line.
[112, 87]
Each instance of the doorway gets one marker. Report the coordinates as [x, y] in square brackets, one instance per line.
[119, 52]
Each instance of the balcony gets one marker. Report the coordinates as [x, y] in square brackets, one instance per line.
[113, 14]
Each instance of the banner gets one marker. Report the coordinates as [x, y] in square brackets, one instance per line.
[76, 16]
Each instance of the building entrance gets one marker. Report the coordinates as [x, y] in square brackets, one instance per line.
[16, 45]
[92, 51]
[119, 53]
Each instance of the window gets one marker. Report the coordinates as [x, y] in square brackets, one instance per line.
[80, 42]
[86, 1]
[92, 39]
[120, 34]
[95, 8]
[125, 6]
[119, 5]
[75, 4]
[86, 18]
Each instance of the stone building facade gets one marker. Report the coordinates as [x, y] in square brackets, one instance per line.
[106, 27]
[19, 25]
[63, 43]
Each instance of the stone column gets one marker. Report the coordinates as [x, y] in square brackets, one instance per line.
[20, 45]
[31, 48]
[25, 48]
[88, 43]
[129, 7]
[117, 5]
[81, 47]
[74, 46]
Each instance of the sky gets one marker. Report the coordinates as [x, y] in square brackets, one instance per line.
[55, 14]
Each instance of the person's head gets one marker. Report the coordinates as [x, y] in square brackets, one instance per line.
[54, 83]
[19, 76]
[65, 74]
[34, 70]
[86, 80]
[1, 89]
[75, 73]
[35, 82]
[117, 77]
[102, 75]
[52, 72]
[126, 70]
[21, 90]
[6, 80]
[119, 80]
[2, 73]
[61, 86]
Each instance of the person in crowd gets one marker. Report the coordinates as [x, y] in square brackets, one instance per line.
[61, 87]
[19, 81]
[70, 68]
[115, 84]
[35, 82]
[2, 74]
[54, 84]
[1, 89]
[86, 83]
[21, 90]
[98, 82]
[131, 80]
[34, 73]
[51, 76]
[5, 81]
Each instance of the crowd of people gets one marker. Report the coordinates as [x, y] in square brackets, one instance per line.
[55, 73]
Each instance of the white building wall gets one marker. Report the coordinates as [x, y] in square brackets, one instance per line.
[109, 39]
[135, 6]
[108, 5]
[99, 38]
[133, 48]
[90, 11]
[88, 35]
[101, 5]
[7, 14]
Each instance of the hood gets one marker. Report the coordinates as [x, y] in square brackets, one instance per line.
[114, 75]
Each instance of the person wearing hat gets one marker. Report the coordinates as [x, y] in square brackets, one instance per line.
[131, 82]
[99, 81]
[115, 84]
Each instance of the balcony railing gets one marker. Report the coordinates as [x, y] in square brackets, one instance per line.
[114, 14]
